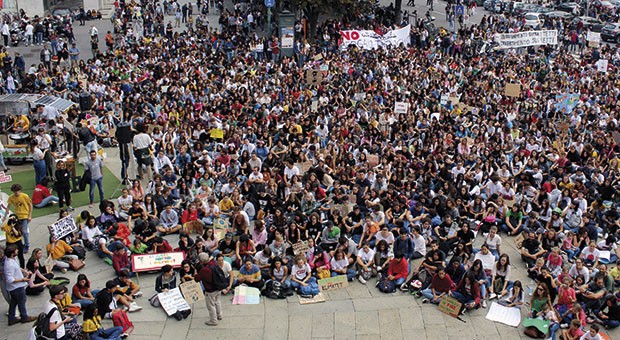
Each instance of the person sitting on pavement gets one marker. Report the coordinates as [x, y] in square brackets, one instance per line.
[441, 285]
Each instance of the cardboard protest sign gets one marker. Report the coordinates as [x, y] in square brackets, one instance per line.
[314, 77]
[4, 178]
[373, 160]
[303, 167]
[300, 247]
[172, 301]
[315, 299]
[450, 306]
[513, 90]
[333, 283]
[147, 262]
[62, 227]
[192, 291]
[401, 107]
[601, 66]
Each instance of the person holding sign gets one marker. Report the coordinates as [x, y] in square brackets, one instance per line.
[21, 204]
[13, 231]
[441, 285]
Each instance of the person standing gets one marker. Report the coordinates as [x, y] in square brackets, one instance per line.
[205, 275]
[16, 284]
[21, 204]
[29, 34]
[38, 161]
[95, 166]
[5, 33]
[13, 231]
[142, 150]
[63, 186]
[57, 322]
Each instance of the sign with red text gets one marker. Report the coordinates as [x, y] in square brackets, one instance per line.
[369, 40]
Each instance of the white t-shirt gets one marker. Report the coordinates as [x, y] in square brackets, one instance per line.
[290, 172]
[493, 243]
[226, 268]
[366, 256]
[141, 141]
[419, 244]
[56, 318]
[301, 272]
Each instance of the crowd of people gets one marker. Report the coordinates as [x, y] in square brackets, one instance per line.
[257, 169]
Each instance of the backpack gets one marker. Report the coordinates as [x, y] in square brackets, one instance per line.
[386, 286]
[274, 290]
[311, 289]
[121, 319]
[42, 326]
[218, 278]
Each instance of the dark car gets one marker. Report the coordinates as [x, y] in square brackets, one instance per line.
[611, 32]
[588, 23]
[568, 7]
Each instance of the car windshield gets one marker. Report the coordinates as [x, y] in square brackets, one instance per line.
[609, 27]
[531, 17]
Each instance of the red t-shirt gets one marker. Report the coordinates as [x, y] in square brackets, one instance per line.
[40, 192]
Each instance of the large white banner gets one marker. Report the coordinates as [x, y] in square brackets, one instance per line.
[369, 40]
[528, 38]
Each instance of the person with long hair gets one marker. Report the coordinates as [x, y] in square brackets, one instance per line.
[540, 298]
[92, 326]
[467, 292]
[40, 277]
[38, 158]
[81, 293]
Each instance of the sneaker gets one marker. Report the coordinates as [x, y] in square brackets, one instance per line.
[137, 295]
[379, 268]
[63, 270]
[418, 294]
[361, 279]
[133, 307]
[492, 296]
[70, 208]
[219, 317]
[377, 284]
[210, 323]
[403, 287]
[484, 303]
[124, 335]
[425, 301]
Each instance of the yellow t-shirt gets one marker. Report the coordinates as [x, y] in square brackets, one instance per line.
[60, 250]
[615, 273]
[91, 325]
[10, 238]
[21, 204]
[226, 204]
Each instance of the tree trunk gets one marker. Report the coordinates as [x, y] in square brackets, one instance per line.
[398, 5]
[312, 22]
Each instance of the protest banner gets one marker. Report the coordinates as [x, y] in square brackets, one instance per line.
[369, 40]
[593, 38]
[314, 77]
[315, 299]
[4, 178]
[527, 38]
[450, 306]
[333, 283]
[148, 262]
[566, 102]
[192, 291]
[401, 107]
[62, 227]
[300, 247]
[513, 90]
[172, 301]
[510, 316]
[216, 133]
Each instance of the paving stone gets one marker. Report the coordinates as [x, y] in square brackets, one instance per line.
[343, 325]
[175, 329]
[300, 327]
[435, 332]
[385, 302]
[294, 308]
[411, 318]
[366, 322]
[389, 324]
[414, 334]
[153, 328]
[357, 291]
[368, 337]
[339, 294]
[323, 325]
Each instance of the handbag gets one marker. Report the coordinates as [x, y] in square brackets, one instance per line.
[154, 301]
[76, 264]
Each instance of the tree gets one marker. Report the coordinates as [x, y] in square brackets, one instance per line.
[313, 9]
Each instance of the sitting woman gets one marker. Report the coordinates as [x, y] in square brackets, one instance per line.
[245, 248]
[41, 197]
[92, 326]
[301, 273]
[340, 265]
[40, 277]
[185, 242]
[467, 292]
[81, 292]
[279, 273]
[61, 253]
[90, 232]
[187, 271]
[540, 298]
[515, 297]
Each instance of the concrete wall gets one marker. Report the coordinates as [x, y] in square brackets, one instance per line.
[32, 7]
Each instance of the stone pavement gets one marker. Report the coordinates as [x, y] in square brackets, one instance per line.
[356, 312]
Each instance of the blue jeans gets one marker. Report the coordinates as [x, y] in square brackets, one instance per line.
[351, 273]
[297, 285]
[39, 171]
[110, 333]
[18, 299]
[91, 190]
[2, 164]
[25, 234]
[553, 327]
[462, 298]
[46, 201]
[428, 293]
[39, 38]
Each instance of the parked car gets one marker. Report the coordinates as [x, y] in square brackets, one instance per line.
[589, 23]
[559, 15]
[611, 32]
[533, 20]
[568, 7]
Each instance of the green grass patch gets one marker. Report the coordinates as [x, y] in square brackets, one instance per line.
[26, 179]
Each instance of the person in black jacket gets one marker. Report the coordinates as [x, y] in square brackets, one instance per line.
[63, 179]
[106, 301]
[167, 280]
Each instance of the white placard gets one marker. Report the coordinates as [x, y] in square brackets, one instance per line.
[62, 227]
[401, 107]
[510, 316]
[369, 40]
[602, 65]
[172, 301]
[527, 38]
[594, 37]
[604, 254]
